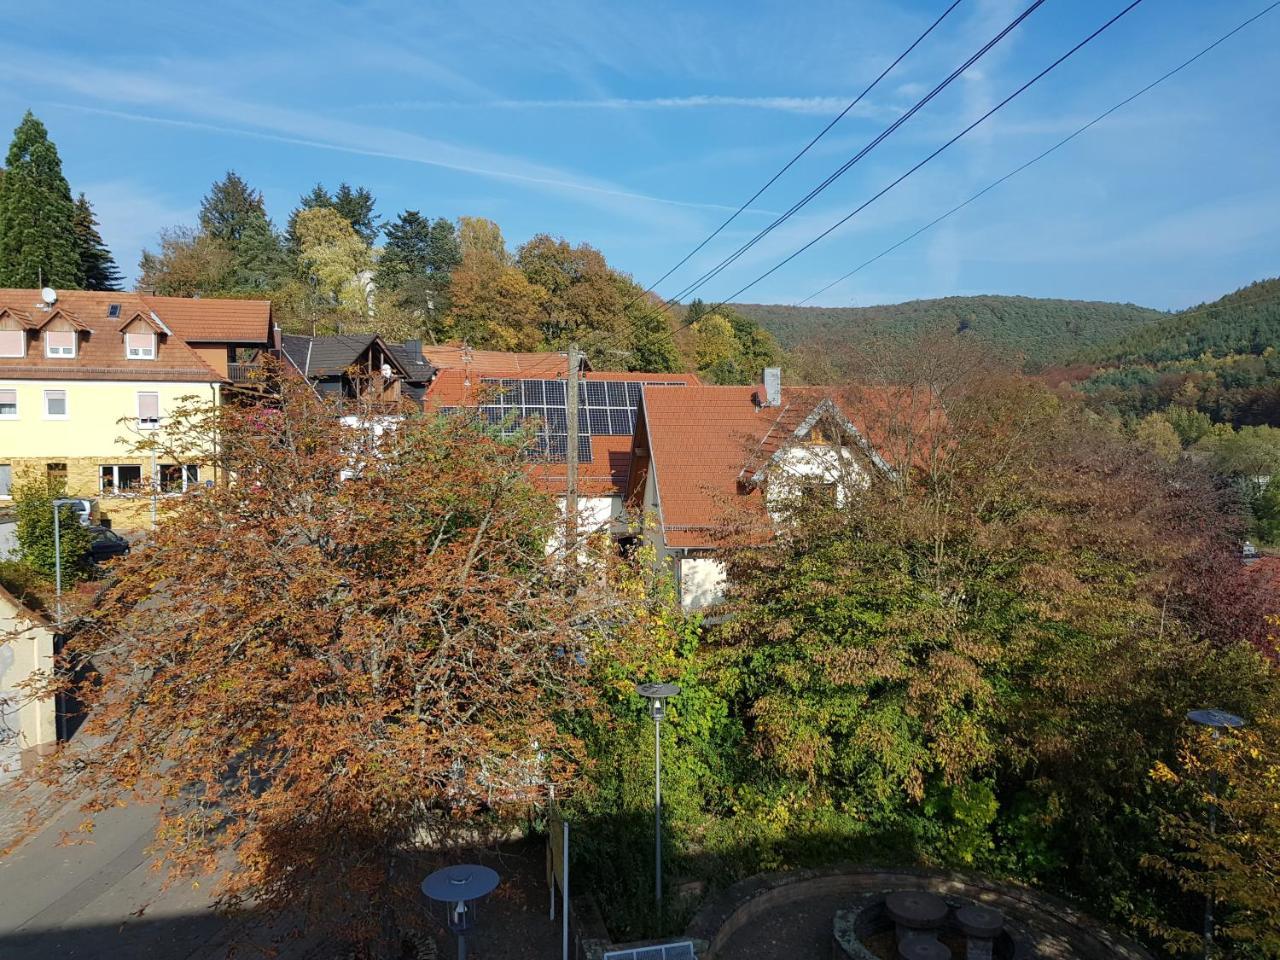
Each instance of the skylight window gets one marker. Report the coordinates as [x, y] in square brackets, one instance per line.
[113, 310]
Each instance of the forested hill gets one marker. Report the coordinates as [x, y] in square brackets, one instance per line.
[1043, 330]
[1244, 322]
[1219, 359]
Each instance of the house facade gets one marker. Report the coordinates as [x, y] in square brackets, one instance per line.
[28, 726]
[713, 466]
[84, 374]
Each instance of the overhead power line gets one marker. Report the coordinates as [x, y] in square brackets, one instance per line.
[848, 164]
[807, 147]
[1034, 160]
[853, 213]
[843, 168]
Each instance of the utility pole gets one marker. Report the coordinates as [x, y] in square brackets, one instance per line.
[571, 454]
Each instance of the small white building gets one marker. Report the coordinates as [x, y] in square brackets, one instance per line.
[28, 726]
[712, 465]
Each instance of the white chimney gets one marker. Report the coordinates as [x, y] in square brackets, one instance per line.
[772, 386]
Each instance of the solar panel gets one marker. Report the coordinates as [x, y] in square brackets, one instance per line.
[682, 950]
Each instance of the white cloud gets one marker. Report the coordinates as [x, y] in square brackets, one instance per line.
[828, 106]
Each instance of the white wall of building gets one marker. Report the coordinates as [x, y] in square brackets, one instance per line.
[27, 726]
[701, 581]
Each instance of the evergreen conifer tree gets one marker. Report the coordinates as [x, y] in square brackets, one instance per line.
[37, 215]
[96, 263]
[229, 207]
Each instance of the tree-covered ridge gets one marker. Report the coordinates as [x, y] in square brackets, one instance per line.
[1219, 359]
[1044, 330]
[1244, 322]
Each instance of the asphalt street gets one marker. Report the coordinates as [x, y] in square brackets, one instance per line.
[98, 897]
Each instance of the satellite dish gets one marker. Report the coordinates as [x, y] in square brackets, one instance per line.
[49, 295]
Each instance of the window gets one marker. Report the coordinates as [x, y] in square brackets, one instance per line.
[148, 411]
[56, 472]
[178, 478]
[60, 343]
[8, 403]
[55, 404]
[6, 480]
[119, 478]
[140, 346]
[113, 310]
[13, 343]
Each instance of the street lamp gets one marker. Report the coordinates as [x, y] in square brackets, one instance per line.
[657, 694]
[456, 887]
[58, 504]
[1216, 721]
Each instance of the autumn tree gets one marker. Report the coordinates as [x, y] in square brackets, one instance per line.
[321, 680]
[493, 304]
[985, 647]
[1236, 860]
[188, 263]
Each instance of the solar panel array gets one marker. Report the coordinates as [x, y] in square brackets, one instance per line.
[605, 408]
[661, 951]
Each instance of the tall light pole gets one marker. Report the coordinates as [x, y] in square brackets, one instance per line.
[657, 694]
[58, 504]
[1216, 721]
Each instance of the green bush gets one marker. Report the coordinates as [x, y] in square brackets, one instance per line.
[34, 503]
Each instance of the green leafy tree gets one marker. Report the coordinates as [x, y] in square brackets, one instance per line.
[716, 349]
[1266, 513]
[96, 263]
[37, 214]
[34, 502]
[354, 204]
[337, 261]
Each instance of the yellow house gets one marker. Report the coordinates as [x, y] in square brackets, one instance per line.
[82, 374]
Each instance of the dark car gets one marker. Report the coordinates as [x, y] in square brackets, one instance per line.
[106, 544]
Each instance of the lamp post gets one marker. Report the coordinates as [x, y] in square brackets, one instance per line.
[657, 694]
[456, 887]
[1216, 721]
[58, 504]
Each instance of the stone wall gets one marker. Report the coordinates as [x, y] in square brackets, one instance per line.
[127, 513]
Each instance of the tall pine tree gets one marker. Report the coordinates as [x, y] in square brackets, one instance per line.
[37, 215]
[96, 263]
[234, 217]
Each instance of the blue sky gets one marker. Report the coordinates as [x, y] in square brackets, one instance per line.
[638, 127]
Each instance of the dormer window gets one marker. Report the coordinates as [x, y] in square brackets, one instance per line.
[60, 343]
[13, 343]
[140, 346]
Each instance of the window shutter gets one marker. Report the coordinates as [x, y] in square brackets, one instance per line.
[61, 342]
[140, 345]
[148, 406]
[8, 398]
[13, 343]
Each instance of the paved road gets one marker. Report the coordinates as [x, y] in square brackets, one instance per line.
[81, 901]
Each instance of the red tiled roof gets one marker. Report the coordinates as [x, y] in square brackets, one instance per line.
[490, 363]
[212, 320]
[194, 320]
[703, 442]
[99, 346]
[610, 466]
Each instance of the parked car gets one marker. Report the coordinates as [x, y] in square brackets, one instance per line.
[85, 509]
[106, 544]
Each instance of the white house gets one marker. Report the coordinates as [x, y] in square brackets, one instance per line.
[712, 464]
[28, 726]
